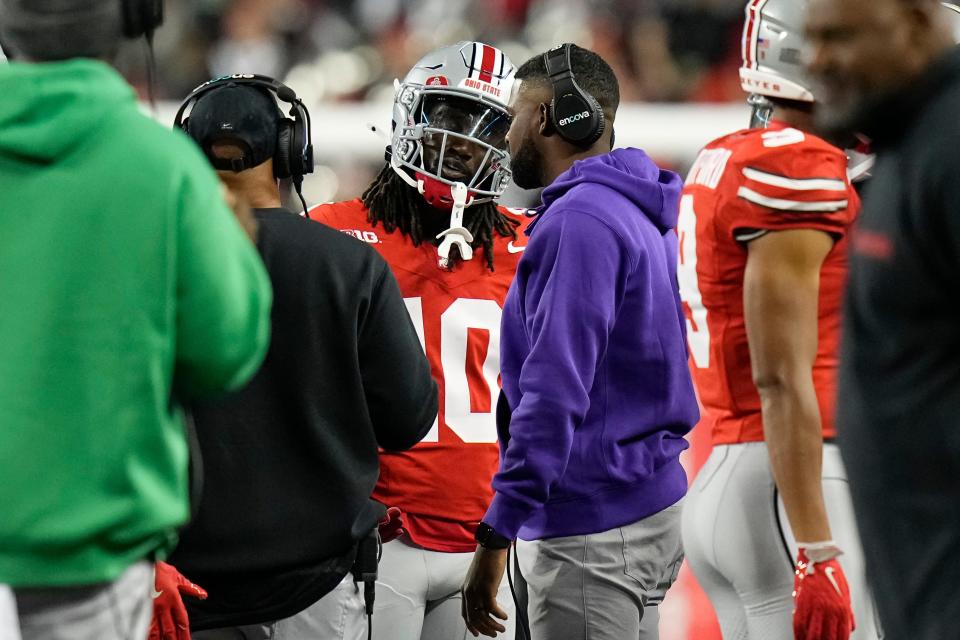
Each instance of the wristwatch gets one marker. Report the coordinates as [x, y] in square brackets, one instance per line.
[488, 538]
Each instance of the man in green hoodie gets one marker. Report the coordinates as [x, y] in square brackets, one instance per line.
[126, 287]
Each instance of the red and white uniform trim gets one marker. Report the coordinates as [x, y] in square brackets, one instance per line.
[485, 63]
[751, 34]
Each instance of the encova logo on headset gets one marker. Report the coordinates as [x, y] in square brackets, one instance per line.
[577, 116]
[232, 76]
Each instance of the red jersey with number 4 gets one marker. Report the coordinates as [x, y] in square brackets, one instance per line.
[740, 187]
[443, 484]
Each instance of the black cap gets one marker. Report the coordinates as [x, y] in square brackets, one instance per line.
[240, 114]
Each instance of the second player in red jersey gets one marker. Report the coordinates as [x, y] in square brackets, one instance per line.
[742, 186]
[431, 214]
[768, 527]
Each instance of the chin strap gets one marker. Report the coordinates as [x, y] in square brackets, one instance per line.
[457, 234]
[406, 177]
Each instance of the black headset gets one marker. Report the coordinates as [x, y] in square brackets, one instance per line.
[294, 154]
[574, 113]
[141, 17]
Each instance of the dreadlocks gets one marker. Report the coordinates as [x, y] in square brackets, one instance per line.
[392, 202]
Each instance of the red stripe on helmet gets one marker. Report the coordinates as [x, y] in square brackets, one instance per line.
[749, 31]
[486, 66]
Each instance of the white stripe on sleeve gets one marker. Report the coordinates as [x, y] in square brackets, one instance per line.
[811, 184]
[790, 205]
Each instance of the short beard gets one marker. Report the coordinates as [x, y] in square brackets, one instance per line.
[841, 124]
[836, 127]
[527, 166]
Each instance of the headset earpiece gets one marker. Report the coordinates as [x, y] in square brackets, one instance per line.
[301, 149]
[283, 161]
[575, 114]
[141, 17]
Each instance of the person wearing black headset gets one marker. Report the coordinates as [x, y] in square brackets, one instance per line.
[128, 288]
[290, 461]
[596, 392]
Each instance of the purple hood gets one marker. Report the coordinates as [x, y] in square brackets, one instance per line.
[632, 174]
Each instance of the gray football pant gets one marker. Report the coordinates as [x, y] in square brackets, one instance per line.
[118, 610]
[602, 586]
[740, 547]
[339, 615]
[9, 626]
[418, 595]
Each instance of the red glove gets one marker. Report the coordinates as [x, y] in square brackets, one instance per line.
[170, 621]
[822, 609]
[391, 526]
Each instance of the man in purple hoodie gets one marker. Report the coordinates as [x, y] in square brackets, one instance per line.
[597, 395]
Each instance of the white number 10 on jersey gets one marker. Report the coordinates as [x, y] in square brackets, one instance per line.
[462, 368]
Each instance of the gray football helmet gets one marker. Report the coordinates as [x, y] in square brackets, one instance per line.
[772, 50]
[450, 122]
[953, 15]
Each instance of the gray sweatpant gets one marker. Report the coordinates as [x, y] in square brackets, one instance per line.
[602, 586]
[118, 610]
[9, 626]
[339, 615]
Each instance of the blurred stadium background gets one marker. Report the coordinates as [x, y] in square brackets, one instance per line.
[677, 62]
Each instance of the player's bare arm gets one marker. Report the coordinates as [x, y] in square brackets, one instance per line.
[780, 294]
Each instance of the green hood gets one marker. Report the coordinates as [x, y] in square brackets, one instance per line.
[49, 110]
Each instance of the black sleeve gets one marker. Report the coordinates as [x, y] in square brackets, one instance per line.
[401, 393]
[951, 213]
[939, 191]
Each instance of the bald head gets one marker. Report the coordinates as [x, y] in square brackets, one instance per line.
[863, 50]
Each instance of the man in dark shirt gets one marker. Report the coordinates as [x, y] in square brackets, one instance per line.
[290, 461]
[888, 70]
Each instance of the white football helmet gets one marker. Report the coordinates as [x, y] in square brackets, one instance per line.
[773, 44]
[772, 50]
[953, 15]
[450, 122]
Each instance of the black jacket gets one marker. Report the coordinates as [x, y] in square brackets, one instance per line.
[290, 461]
[898, 413]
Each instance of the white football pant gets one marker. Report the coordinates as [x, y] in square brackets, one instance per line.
[739, 545]
[418, 594]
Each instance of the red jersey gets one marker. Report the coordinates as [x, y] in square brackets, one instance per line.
[442, 485]
[741, 186]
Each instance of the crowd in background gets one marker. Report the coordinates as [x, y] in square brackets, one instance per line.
[342, 51]
[351, 50]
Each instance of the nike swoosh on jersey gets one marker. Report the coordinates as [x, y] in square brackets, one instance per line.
[155, 594]
[829, 571]
[513, 248]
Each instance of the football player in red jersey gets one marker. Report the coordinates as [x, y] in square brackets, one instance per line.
[769, 529]
[431, 213]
